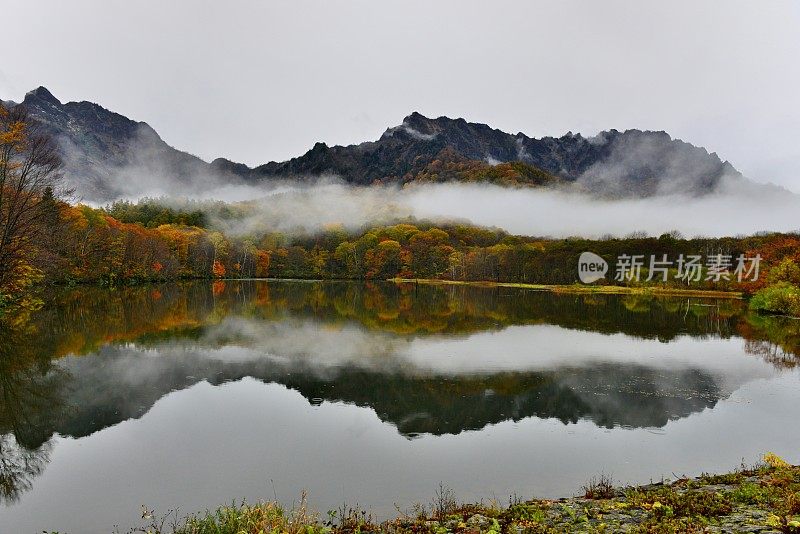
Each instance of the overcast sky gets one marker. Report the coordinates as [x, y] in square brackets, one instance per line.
[255, 81]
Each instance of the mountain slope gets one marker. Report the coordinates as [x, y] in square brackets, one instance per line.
[108, 155]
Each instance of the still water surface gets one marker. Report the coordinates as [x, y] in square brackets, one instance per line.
[191, 395]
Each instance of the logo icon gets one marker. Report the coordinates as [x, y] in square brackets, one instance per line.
[591, 267]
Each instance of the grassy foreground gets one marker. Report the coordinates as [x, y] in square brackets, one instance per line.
[764, 498]
[577, 288]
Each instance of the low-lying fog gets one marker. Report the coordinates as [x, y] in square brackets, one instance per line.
[536, 212]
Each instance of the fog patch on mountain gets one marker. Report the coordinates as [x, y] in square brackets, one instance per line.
[410, 130]
[100, 171]
[310, 208]
[648, 164]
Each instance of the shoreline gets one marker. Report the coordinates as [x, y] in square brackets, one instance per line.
[580, 289]
[764, 498]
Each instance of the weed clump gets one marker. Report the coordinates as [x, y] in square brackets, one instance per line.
[601, 487]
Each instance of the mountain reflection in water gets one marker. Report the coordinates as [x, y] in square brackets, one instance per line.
[429, 360]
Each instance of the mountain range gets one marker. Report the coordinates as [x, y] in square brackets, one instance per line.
[107, 156]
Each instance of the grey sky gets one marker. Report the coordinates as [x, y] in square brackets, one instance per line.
[260, 80]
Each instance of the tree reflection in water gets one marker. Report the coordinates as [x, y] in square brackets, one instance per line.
[31, 403]
[19, 466]
[43, 391]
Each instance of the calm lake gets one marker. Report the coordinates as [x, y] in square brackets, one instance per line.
[191, 395]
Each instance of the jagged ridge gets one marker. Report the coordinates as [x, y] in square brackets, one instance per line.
[108, 155]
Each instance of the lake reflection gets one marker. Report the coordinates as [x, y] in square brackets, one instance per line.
[191, 395]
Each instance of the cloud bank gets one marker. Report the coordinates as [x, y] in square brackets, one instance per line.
[535, 212]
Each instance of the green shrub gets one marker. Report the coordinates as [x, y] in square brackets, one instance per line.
[749, 493]
[782, 297]
[786, 271]
[667, 501]
[258, 518]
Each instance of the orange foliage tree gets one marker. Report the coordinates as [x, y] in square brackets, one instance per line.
[218, 269]
[28, 179]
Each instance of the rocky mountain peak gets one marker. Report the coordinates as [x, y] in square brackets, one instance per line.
[41, 95]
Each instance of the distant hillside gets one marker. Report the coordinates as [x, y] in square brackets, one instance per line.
[108, 155]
